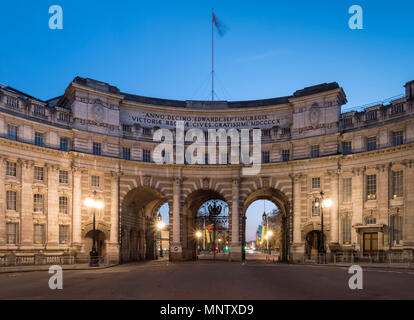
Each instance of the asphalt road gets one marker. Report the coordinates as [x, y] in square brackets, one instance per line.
[210, 280]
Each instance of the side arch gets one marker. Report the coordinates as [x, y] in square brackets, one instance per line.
[282, 202]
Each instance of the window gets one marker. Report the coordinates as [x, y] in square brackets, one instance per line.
[265, 157]
[63, 234]
[97, 150]
[371, 143]
[346, 147]
[206, 158]
[39, 234]
[38, 139]
[397, 138]
[396, 224]
[38, 203]
[370, 220]
[11, 233]
[12, 132]
[126, 128]
[398, 108]
[146, 155]
[11, 169]
[266, 133]
[285, 131]
[346, 231]
[95, 181]
[372, 187]
[39, 110]
[126, 153]
[347, 190]
[371, 115]
[316, 209]
[11, 200]
[12, 102]
[316, 183]
[63, 117]
[63, 177]
[314, 151]
[285, 155]
[397, 184]
[38, 173]
[64, 144]
[347, 122]
[146, 131]
[63, 205]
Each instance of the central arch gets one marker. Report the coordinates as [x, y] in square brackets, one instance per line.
[282, 202]
[191, 206]
[138, 216]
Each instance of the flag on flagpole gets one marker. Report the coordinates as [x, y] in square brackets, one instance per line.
[221, 29]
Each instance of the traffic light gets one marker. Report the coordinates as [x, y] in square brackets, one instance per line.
[226, 248]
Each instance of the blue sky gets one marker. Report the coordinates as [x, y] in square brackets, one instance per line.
[253, 214]
[162, 48]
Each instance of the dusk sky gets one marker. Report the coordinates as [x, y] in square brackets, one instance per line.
[163, 48]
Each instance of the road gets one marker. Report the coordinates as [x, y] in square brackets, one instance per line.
[209, 280]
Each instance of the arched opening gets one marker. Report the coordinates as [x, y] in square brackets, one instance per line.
[212, 230]
[100, 239]
[142, 210]
[196, 214]
[276, 221]
[263, 231]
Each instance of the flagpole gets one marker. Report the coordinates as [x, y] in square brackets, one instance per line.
[212, 55]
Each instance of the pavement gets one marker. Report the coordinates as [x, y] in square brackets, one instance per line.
[209, 280]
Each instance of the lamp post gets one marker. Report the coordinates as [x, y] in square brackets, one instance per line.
[324, 203]
[92, 203]
[198, 236]
[160, 226]
[265, 218]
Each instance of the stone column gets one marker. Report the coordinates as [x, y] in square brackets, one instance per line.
[52, 208]
[334, 210]
[383, 194]
[408, 231]
[2, 202]
[76, 207]
[358, 199]
[298, 247]
[176, 250]
[113, 247]
[235, 248]
[26, 204]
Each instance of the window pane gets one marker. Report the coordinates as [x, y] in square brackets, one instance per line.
[38, 203]
[316, 183]
[346, 231]
[11, 200]
[397, 184]
[372, 187]
[347, 190]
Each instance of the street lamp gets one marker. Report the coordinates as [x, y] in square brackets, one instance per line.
[92, 203]
[324, 203]
[160, 226]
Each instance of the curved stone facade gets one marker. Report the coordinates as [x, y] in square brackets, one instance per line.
[96, 141]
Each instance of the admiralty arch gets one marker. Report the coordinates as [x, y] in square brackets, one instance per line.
[97, 141]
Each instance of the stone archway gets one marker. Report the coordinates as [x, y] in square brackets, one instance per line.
[138, 219]
[189, 212]
[282, 202]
